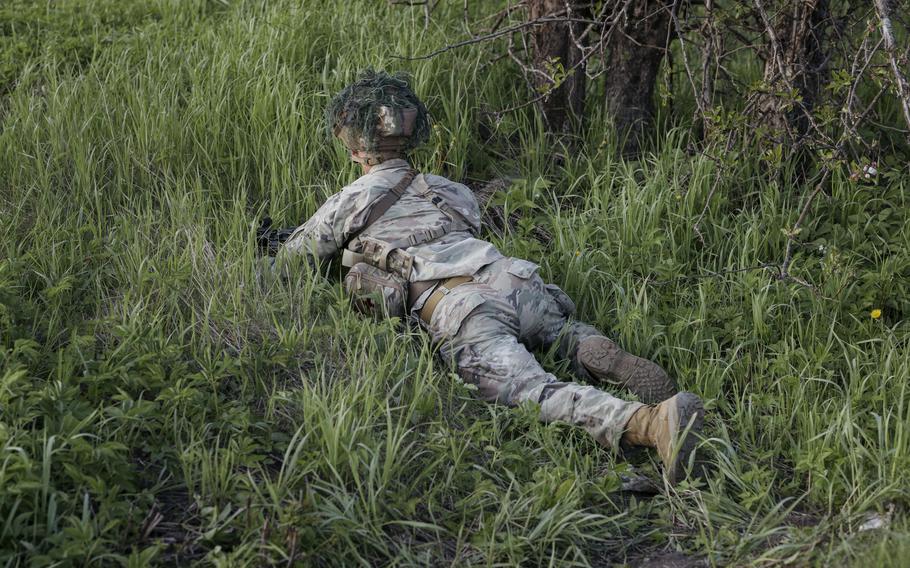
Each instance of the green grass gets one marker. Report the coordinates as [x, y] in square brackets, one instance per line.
[160, 403]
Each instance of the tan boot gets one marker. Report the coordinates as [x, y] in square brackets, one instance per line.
[607, 362]
[660, 426]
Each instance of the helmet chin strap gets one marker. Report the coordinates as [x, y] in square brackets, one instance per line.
[371, 159]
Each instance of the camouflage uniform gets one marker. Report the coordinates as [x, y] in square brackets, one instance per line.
[485, 327]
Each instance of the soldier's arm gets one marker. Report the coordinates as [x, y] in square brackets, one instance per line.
[322, 236]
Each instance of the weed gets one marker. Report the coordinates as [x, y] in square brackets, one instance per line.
[161, 403]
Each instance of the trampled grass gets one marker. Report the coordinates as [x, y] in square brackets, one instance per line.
[161, 403]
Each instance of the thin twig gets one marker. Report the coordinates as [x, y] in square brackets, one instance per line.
[712, 274]
[499, 17]
[826, 173]
[850, 122]
[709, 30]
[903, 88]
[791, 234]
[487, 37]
[685, 57]
[714, 186]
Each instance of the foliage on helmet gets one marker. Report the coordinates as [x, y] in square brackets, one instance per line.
[358, 105]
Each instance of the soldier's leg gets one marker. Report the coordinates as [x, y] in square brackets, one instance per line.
[483, 344]
[486, 352]
[592, 355]
[545, 318]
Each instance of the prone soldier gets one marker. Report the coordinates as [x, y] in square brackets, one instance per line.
[410, 242]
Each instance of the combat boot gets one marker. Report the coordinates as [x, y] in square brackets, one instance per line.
[660, 426]
[607, 362]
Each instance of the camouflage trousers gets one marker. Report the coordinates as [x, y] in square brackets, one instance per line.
[488, 327]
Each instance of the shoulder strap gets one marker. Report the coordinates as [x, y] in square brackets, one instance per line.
[424, 190]
[385, 202]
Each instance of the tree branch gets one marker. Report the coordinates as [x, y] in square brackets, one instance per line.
[490, 36]
[903, 88]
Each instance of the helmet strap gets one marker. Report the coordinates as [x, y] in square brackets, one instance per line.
[371, 158]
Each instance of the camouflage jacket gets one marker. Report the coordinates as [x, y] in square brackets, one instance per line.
[455, 253]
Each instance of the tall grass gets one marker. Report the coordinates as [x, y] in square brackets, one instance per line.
[160, 402]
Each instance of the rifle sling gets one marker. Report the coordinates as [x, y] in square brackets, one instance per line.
[384, 204]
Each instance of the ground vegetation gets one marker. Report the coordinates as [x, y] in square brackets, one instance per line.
[161, 403]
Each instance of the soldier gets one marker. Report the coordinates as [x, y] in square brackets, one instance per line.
[410, 242]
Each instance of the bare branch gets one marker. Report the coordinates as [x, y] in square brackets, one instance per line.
[489, 36]
[826, 173]
[685, 57]
[903, 88]
[721, 169]
[791, 234]
[709, 50]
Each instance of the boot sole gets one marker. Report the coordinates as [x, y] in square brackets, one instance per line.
[607, 362]
[689, 409]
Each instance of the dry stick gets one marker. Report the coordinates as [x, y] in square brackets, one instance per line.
[714, 186]
[851, 96]
[487, 37]
[903, 89]
[777, 54]
[428, 8]
[685, 58]
[710, 33]
[529, 70]
[598, 19]
[582, 61]
[567, 19]
[526, 71]
[826, 173]
[791, 235]
[712, 274]
[606, 32]
[572, 37]
[500, 17]
[491, 62]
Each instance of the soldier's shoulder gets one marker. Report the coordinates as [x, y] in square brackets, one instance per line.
[364, 183]
[439, 181]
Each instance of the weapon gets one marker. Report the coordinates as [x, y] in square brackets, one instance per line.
[270, 239]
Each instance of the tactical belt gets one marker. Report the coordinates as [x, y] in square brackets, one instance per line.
[426, 313]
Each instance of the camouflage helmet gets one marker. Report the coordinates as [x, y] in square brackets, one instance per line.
[378, 117]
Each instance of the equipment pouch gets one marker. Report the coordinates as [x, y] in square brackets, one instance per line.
[387, 257]
[376, 292]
